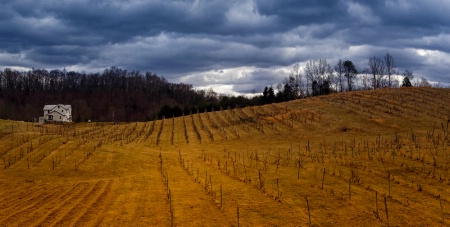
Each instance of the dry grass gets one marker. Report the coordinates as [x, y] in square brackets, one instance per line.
[104, 174]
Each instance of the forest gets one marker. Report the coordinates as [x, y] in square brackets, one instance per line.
[113, 95]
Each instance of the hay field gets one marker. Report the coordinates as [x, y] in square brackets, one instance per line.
[365, 158]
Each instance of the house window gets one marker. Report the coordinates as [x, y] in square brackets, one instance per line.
[50, 117]
[59, 117]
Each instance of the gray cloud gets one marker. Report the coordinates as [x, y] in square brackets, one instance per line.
[190, 41]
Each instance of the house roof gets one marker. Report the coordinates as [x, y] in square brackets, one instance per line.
[51, 107]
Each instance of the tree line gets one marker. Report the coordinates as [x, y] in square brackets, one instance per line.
[319, 78]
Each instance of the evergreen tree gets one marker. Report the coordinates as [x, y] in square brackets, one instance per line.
[265, 96]
[325, 88]
[271, 95]
[407, 77]
[406, 82]
[315, 88]
[350, 73]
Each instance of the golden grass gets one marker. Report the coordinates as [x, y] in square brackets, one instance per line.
[101, 174]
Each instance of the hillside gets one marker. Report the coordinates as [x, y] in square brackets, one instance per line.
[340, 159]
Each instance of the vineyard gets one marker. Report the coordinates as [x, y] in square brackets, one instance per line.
[365, 158]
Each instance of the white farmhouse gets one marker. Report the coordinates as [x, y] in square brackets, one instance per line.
[58, 113]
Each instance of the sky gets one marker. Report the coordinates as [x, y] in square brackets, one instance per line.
[232, 46]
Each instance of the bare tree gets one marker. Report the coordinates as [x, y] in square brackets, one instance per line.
[390, 67]
[279, 87]
[339, 69]
[331, 78]
[311, 71]
[377, 68]
[424, 82]
[317, 70]
[297, 82]
[366, 80]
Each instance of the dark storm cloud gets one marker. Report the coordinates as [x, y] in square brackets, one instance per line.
[193, 40]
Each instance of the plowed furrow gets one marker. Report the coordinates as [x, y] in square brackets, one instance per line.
[10, 195]
[14, 203]
[23, 211]
[79, 204]
[47, 216]
[96, 210]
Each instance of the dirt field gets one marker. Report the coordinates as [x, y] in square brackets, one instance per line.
[367, 158]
